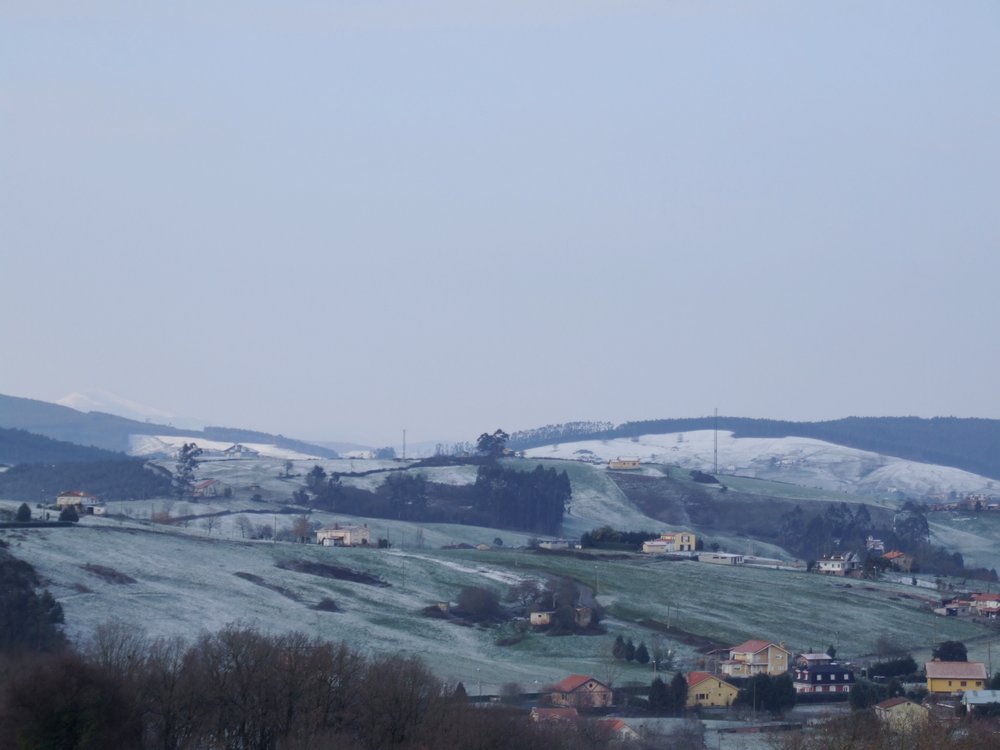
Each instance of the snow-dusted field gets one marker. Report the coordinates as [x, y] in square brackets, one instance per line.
[158, 445]
[801, 461]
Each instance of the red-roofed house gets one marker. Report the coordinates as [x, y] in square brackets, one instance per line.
[209, 488]
[899, 560]
[83, 501]
[986, 605]
[951, 677]
[706, 689]
[581, 691]
[756, 657]
[617, 730]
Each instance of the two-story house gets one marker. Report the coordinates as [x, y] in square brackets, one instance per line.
[756, 657]
[819, 673]
[951, 677]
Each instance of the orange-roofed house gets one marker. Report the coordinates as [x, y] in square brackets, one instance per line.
[617, 730]
[706, 689]
[581, 691]
[756, 657]
[950, 677]
[899, 560]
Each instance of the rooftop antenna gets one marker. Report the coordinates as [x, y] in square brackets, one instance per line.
[716, 437]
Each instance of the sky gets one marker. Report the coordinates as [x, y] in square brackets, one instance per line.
[337, 220]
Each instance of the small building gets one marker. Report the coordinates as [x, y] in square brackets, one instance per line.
[238, 450]
[709, 691]
[952, 677]
[986, 605]
[624, 463]
[902, 714]
[721, 558]
[581, 691]
[554, 544]
[756, 657]
[838, 564]
[540, 619]
[616, 730]
[874, 545]
[209, 488]
[344, 535]
[822, 677]
[671, 541]
[83, 502]
[899, 560]
[975, 699]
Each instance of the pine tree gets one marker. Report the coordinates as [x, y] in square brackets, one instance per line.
[69, 514]
[641, 654]
[618, 650]
[629, 650]
[23, 513]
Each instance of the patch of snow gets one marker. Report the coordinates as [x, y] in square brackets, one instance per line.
[158, 445]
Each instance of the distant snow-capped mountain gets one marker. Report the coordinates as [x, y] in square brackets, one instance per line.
[110, 403]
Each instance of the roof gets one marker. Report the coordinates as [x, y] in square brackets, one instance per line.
[816, 656]
[956, 670]
[893, 702]
[206, 483]
[615, 725]
[986, 597]
[75, 493]
[894, 555]
[752, 647]
[694, 678]
[979, 697]
[573, 682]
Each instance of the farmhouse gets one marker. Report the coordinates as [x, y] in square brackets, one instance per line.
[346, 535]
[240, 451]
[671, 541]
[623, 463]
[986, 605]
[84, 502]
[209, 488]
[756, 657]
[838, 564]
[707, 690]
[950, 677]
[720, 558]
[899, 560]
[581, 691]
[618, 731]
[902, 714]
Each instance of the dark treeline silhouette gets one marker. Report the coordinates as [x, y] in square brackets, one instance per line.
[124, 479]
[951, 441]
[22, 447]
[501, 497]
[241, 689]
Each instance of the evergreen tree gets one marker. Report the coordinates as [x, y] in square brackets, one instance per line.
[618, 650]
[641, 654]
[23, 513]
[629, 650]
[69, 514]
[678, 693]
[659, 697]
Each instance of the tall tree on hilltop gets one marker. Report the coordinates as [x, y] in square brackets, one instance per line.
[187, 462]
[492, 445]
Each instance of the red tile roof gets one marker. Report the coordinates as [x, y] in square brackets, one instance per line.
[750, 647]
[893, 702]
[893, 555]
[986, 597]
[572, 682]
[694, 678]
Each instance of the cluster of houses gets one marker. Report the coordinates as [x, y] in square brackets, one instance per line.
[82, 502]
[971, 605]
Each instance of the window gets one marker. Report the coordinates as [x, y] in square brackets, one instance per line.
[963, 683]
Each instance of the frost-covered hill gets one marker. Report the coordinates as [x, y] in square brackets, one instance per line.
[801, 461]
[150, 446]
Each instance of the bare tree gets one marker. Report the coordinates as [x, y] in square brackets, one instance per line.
[210, 523]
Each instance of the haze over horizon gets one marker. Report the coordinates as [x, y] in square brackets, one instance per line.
[337, 220]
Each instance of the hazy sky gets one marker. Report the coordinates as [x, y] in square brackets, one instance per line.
[338, 219]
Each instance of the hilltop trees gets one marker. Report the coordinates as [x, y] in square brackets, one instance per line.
[492, 445]
[187, 462]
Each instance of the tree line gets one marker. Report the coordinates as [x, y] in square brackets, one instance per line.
[124, 479]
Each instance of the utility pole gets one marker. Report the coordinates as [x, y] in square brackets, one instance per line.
[716, 439]
[404, 443]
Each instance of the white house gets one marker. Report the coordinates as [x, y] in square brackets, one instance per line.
[84, 502]
[838, 564]
[344, 535]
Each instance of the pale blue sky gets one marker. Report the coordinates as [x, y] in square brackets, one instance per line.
[335, 220]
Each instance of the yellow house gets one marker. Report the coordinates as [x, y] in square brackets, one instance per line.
[706, 689]
[902, 714]
[756, 657]
[955, 676]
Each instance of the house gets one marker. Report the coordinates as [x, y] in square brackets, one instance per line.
[539, 619]
[671, 541]
[209, 488]
[617, 730]
[721, 558]
[899, 560]
[986, 605]
[239, 450]
[707, 690]
[756, 657]
[554, 544]
[623, 463]
[822, 676]
[838, 564]
[581, 691]
[950, 677]
[974, 699]
[902, 714]
[874, 545]
[84, 502]
[346, 535]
